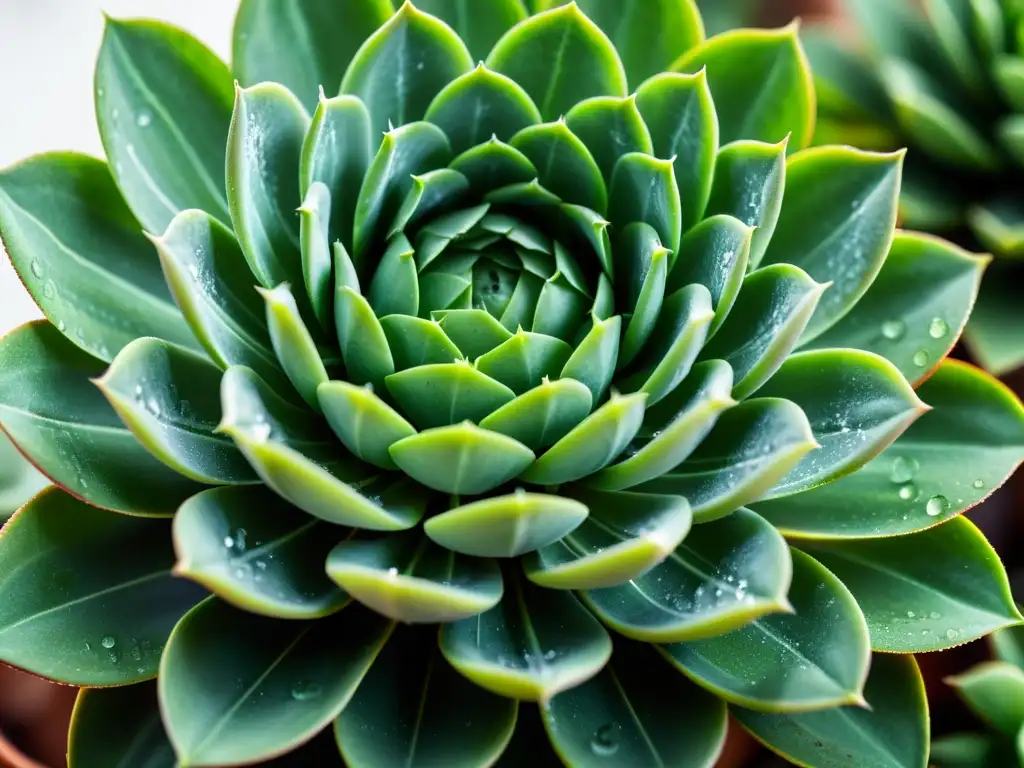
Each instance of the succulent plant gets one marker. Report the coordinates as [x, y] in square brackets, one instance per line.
[19, 480]
[556, 390]
[948, 83]
[994, 691]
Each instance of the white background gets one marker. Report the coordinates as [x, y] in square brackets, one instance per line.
[48, 51]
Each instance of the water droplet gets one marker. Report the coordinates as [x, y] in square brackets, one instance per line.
[979, 483]
[549, 655]
[37, 268]
[908, 492]
[261, 432]
[108, 642]
[936, 506]
[910, 614]
[62, 326]
[938, 328]
[921, 358]
[392, 571]
[951, 634]
[194, 271]
[903, 469]
[88, 645]
[894, 329]
[229, 542]
[419, 65]
[240, 540]
[115, 113]
[934, 615]
[261, 564]
[306, 690]
[606, 740]
[144, 119]
[49, 291]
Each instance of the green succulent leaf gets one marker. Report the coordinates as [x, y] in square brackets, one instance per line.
[257, 552]
[362, 421]
[408, 578]
[623, 537]
[493, 165]
[784, 663]
[304, 46]
[991, 333]
[594, 359]
[845, 241]
[561, 58]
[414, 341]
[236, 688]
[163, 106]
[414, 709]
[524, 361]
[61, 216]
[925, 592]
[167, 396]
[403, 65]
[543, 415]
[892, 734]
[293, 343]
[533, 645]
[644, 189]
[138, 738]
[65, 426]
[446, 393]
[636, 712]
[915, 309]
[1008, 645]
[723, 575]
[564, 164]
[610, 128]
[314, 242]
[994, 691]
[950, 459]
[361, 337]
[506, 526]
[87, 596]
[761, 83]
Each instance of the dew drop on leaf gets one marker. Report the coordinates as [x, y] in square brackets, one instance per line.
[606, 740]
[908, 492]
[894, 329]
[921, 358]
[37, 268]
[306, 690]
[951, 634]
[979, 483]
[903, 469]
[938, 328]
[144, 119]
[108, 642]
[49, 291]
[936, 506]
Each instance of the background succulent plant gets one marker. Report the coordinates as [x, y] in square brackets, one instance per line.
[19, 480]
[948, 83]
[454, 377]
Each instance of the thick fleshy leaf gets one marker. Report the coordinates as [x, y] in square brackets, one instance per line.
[724, 575]
[506, 526]
[264, 151]
[137, 740]
[415, 341]
[401, 68]
[926, 592]
[404, 151]
[493, 165]
[543, 415]
[293, 344]
[749, 180]
[995, 692]
[212, 283]
[561, 58]
[991, 334]
[593, 444]
[362, 421]
[336, 152]
[64, 425]
[916, 308]
[857, 404]
[775, 304]
[624, 536]
[761, 83]
[432, 193]
[674, 428]
[593, 362]
[87, 596]
[62, 217]
[395, 288]
[837, 223]
[257, 552]
[167, 396]
[361, 338]
[643, 188]
[950, 459]
[784, 662]
[461, 459]
[564, 164]
[236, 688]
[163, 107]
[637, 712]
[474, 331]
[681, 118]
[892, 734]
[610, 128]
[447, 393]
[533, 645]
[19, 480]
[1008, 645]
[315, 245]
[525, 360]
[499, 106]
[408, 578]
[750, 448]
[415, 710]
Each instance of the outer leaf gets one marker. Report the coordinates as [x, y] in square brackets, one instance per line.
[410, 579]
[415, 710]
[785, 663]
[952, 458]
[62, 217]
[65, 426]
[304, 46]
[236, 688]
[837, 223]
[167, 397]
[257, 552]
[995, 692]
[915, 309]
[724, 575]
[138, 739]
[533, 645]
[761, 83]
[561, 58]
[87, 596]
[926, 592]
[636, 712]
[403, 65]
[163, 106]
[892, 734]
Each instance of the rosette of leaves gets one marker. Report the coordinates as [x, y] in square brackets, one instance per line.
[946, 79]
[994, 691]
[526, 410]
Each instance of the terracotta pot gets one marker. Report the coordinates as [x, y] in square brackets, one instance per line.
[34, 715]
[10, 757]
